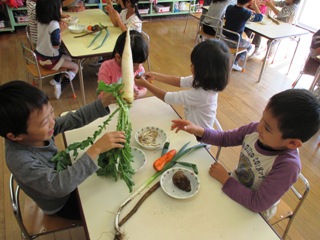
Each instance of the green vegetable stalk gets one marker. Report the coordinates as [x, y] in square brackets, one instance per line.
[184, 150]
[115, 162]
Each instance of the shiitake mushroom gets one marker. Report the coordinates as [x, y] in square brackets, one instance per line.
[181, 181]
[95, 28]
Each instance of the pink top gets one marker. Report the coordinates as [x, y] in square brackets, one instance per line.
[110, 72]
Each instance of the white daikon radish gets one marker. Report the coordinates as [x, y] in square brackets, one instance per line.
[127, 70]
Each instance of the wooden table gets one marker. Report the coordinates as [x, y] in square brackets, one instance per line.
[78, 47]
[210, 214]
[274, 32]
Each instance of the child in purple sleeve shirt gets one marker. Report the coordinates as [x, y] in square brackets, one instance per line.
[269, 161]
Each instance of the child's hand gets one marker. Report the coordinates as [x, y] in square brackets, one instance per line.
[140, 81]
[149, 76]
[107, 142]
[136, 92]
[107, 98]
[218, 172]
[187, 126]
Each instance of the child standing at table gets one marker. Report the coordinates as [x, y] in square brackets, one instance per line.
[269, 161]
[110, 70]
[129, 15]
[210, 64]
[236, 17]
[28, 125]
[49, 40]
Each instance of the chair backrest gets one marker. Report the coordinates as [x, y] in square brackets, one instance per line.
[300, 190]
[28, 34]
[233, 44]
[33, 222]
[217, 22]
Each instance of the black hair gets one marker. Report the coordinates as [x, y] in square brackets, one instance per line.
[139, 46]
[242, 2]
[211, 62]
[18, 100]
[297, 112]
[47, 11]
[296, 2]
[133, 3]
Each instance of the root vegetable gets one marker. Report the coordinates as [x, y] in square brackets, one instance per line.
[127, 70]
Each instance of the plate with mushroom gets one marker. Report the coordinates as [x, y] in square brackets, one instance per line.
[180, 183]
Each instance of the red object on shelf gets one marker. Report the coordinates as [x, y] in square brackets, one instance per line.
[201, 2]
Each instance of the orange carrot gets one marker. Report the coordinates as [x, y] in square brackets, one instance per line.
[163, 160]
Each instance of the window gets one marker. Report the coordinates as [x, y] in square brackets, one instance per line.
[309, 16]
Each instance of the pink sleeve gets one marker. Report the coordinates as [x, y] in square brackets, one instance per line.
[105, 73]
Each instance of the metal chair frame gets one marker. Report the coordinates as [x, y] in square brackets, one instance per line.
[38, 72]
[201, 36]
[287, 212]
[316, 75]
[233, 50]
[14, 190]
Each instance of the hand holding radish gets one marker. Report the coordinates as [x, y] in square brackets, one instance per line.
[107, 142]
[107, 99]
[218, 172]
[187, 126]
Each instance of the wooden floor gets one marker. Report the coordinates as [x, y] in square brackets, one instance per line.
[241, 102]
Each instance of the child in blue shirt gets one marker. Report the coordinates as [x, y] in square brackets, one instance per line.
[236, 17]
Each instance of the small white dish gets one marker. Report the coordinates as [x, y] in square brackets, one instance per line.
[150, 137]
[139, 159]
[76, 28]
[72, 20]
[172, 190]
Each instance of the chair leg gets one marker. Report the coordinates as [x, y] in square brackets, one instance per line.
[297, 80]
[74, 94]
[185, 26]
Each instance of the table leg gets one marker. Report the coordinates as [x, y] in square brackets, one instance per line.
[83, 94]
[298, 41]
[269, 44]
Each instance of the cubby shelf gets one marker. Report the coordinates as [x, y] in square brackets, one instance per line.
[172, 4]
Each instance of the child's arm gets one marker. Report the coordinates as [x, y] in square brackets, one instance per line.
[187, 126]
[142, 82]
[113, 15]
[270, 4]
[140, 92]
[168, 79]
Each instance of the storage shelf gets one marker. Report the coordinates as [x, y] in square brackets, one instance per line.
[12, 23]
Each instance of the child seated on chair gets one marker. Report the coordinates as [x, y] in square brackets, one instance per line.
[49, 41]
[110, 70]
[236, 17]
[269, 161]
[29, 126]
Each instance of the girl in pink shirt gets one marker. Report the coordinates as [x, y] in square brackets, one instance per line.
[110, 70]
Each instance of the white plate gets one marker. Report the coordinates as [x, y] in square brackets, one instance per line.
[77, 28]
[150, 140]
[72, 20]
[173, 191]
[139, 159]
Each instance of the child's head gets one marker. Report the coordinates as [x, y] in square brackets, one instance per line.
[19, 100]
[210, 65]
[139, 47]
[131, 4]
[295, 114]
[47, 11]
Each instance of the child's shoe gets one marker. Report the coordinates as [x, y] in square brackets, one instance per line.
[236, 67]
[57, 90]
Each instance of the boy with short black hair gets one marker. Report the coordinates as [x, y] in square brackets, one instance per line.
[28, 125]
[269, 161]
